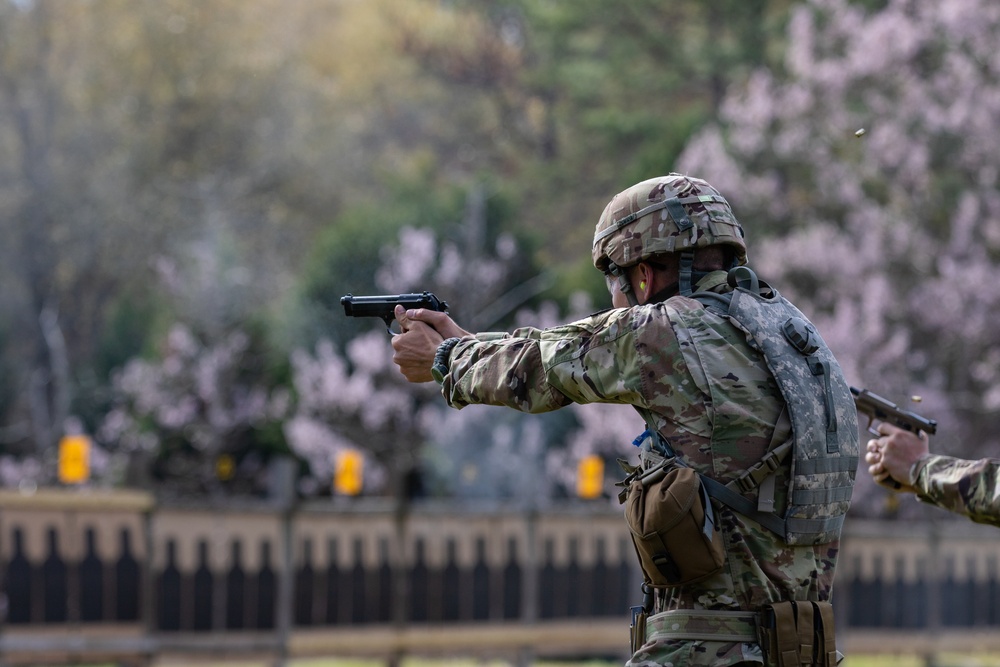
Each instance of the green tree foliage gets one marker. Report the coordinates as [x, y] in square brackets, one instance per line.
[604, 94]
[226, 165]
[135, 129]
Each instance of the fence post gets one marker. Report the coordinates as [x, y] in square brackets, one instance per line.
[935, 572]
[3, 592]
[283, 492]
[529, 582]
[147, 585]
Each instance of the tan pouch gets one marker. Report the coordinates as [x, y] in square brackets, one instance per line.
[673, 528]
[794, 633]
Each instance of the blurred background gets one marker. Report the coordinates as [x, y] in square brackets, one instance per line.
[188, 188]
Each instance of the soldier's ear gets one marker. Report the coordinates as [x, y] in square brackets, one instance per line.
[647, 275]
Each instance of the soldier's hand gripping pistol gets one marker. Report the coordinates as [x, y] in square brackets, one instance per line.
[384, 306]
[879, 409]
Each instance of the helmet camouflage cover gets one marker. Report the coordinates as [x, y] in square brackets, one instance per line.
[671, 213]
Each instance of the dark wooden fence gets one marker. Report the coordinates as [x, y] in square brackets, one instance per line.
[91, 575]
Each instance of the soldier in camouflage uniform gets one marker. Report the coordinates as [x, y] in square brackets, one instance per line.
[971, 488]
[692, 376]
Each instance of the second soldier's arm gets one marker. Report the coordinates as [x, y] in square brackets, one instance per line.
[971, 488]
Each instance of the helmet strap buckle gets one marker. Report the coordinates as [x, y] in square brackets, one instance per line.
[624, 286]
[686, 268]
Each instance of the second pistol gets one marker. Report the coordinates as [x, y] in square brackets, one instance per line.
[884, 410]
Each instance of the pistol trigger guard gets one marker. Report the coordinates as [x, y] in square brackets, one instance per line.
[389, 319]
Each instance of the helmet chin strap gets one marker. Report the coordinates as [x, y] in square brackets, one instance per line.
[687, 278]
[624, 286]
[685, 284]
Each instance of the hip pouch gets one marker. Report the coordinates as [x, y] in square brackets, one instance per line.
[673, 526]
[798, 633]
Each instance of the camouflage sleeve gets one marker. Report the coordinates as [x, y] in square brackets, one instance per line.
[966, 487]
[538, 370]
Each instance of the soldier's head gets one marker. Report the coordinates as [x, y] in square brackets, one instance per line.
[674, 226]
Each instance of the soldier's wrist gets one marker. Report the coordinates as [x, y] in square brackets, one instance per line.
[440, 367]
[915, 469]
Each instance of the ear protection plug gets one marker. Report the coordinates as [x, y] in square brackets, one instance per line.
[642, 285]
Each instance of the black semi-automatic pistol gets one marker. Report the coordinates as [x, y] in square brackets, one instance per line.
[383, 306]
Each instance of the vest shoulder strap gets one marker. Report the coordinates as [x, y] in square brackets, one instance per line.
[822, 440]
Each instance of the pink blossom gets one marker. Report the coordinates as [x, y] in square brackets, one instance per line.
[889, 242]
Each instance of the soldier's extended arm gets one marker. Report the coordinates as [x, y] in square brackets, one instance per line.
[971, 488]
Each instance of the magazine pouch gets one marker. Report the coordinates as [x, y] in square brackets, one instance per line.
[798, 633]
[673, 526]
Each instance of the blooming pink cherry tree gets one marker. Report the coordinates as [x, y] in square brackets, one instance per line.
[353, 402]
[193, 405]
[204, 408]
[888, 237]
[360, 400]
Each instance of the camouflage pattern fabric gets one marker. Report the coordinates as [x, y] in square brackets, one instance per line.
[966, 487]
[693, 638]
[823, 413]
[659, 358]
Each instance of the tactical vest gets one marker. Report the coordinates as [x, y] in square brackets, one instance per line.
[823, 442]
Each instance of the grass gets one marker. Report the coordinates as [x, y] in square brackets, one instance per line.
[941, 660]
[407, 662]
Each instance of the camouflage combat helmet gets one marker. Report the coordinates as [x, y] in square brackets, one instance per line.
[669, 214]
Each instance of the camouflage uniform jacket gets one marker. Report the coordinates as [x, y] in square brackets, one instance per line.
[653, 357]
[971, 488]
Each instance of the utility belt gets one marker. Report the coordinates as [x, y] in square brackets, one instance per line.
[790, 634]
